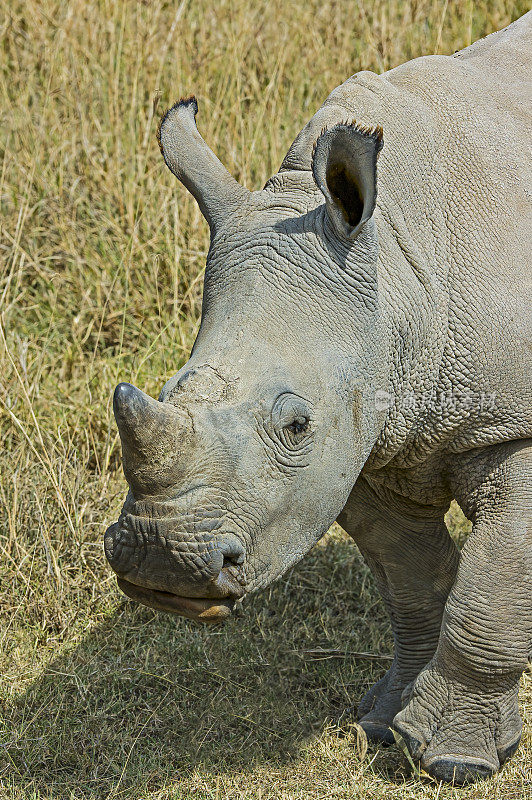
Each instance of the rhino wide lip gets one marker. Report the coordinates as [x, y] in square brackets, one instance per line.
[202, 609]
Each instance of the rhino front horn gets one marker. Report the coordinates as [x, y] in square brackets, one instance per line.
[190, 159]
[149, 431]
[135, 413]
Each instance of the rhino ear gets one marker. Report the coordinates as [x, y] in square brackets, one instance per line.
[344, 165]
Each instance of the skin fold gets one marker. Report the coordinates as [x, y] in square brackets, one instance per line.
[364, 355]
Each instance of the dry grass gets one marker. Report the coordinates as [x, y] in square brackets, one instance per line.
[101, 269]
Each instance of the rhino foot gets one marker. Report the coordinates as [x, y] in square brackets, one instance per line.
[459, 731]
[379, 706]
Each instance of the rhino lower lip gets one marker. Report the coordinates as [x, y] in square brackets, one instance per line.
[207, 610]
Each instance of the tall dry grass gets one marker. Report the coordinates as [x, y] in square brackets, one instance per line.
[101, 253]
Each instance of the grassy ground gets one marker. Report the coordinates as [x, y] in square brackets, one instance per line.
[100, 280]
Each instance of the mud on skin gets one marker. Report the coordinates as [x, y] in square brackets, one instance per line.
[388, 258]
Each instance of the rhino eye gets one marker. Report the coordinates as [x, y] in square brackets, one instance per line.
[295, 432]
[298, 426]
[291, 418]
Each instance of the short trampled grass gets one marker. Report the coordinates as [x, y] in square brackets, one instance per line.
[101, 259]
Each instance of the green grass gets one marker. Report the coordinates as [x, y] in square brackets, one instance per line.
[101, 258]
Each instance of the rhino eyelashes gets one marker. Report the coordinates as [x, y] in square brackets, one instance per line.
[293, 436]
[291, 433]
[298, 426]
[283, 452]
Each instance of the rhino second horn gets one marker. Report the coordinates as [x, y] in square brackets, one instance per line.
[190, 159]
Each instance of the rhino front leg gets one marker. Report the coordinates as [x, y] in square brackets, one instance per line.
[414, 563]
[461, 718]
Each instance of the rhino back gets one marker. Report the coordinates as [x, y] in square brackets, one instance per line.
[506, 52]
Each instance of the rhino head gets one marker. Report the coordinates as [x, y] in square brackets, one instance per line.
[251, 451]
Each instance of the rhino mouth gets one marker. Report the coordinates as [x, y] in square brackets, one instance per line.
[202, 609]
[181, 564]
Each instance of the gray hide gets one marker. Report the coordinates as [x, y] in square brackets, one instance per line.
[366, 359]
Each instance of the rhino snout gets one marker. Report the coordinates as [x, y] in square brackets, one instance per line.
[175, 567]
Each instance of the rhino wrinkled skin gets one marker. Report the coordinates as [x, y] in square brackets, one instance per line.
[364, 356]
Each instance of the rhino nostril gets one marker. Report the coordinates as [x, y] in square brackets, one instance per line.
[232, 550]
[236, 560]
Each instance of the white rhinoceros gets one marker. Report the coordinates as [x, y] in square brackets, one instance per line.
[364, 355]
